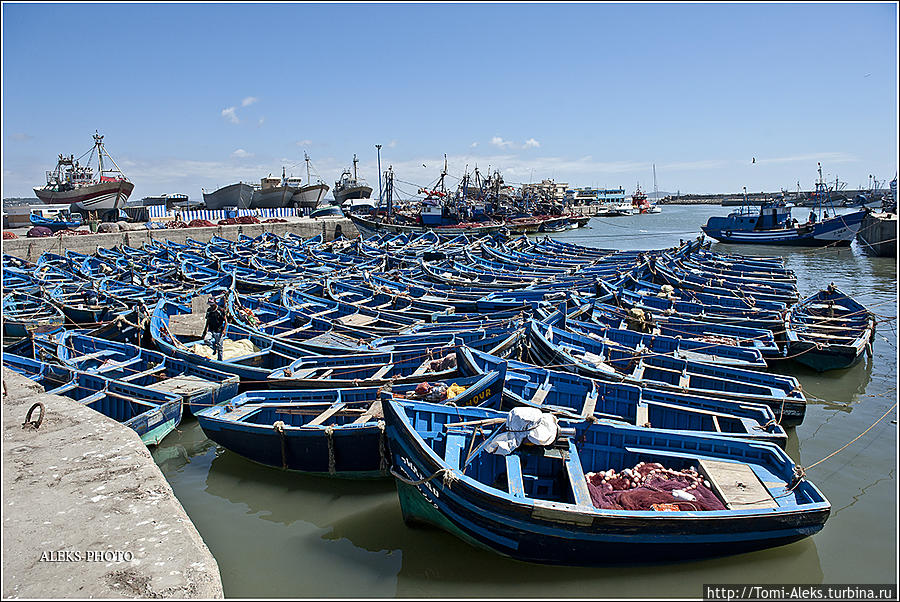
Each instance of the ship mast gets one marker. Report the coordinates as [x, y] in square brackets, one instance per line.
[655, 189]
[98, 144]
[306, 158]
[355, 161]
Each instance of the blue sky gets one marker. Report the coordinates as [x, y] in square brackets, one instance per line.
[203, 95]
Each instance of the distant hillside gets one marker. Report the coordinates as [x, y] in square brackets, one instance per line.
[655, 196]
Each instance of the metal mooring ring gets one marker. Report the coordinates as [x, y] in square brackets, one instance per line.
[34, 423]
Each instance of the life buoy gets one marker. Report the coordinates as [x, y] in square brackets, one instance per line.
[728, 233]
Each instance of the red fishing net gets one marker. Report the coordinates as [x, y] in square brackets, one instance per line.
[650, 486]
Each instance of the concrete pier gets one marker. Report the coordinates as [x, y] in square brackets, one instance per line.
[86, 511]
[32, 248]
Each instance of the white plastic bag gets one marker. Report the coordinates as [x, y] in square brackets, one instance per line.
[537, 427]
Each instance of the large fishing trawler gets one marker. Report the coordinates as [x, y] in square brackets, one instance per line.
[73, 183]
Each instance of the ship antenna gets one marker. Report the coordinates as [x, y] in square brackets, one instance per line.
[354, 166]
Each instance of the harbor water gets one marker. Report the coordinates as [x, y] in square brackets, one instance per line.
[279, 534]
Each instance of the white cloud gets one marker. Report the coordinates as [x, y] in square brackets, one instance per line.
[304, 142]
[261, 121]
[21, 137]
[473, 145]
[392, 144]
[500, 142]
[248, 101]
[241, 154]
[532, 143]
[230, 115]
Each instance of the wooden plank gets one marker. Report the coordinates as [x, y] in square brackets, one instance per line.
[357, 320]
[643, 415]
[540, 395]
[183, 385]
[374, 411]
[321, 418]
[138, 375]
[95, 355]
[241, 412]
[737, 485]
[590, 404]
[453, 448]
[576, 477]
[306, 326]
[514, 476]
[382, 371]
[423, 368]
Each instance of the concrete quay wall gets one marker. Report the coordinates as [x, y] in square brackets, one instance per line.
[86, 511]
[32, 248]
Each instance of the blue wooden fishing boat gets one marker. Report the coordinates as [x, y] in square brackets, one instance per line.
[198, 386]
[552, 347]
[83, 305]
[23, 314]
[828, 330]
[365, 369]
[550, 504]
[151, 414]
[62, 221]
[256, 356]
[328, 432]
[46, 374]
[767, 319]
[673, 326]
[684, 348]
[576, 396]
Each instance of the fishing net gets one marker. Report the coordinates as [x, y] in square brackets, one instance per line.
[230, 349]
[200, 223]
[39, 232]
[650, 486]
[9, 236]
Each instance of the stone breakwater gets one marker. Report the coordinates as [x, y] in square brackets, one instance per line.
[86, 511]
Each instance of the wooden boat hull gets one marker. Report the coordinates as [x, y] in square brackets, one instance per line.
[345, 453]
[828, 331]
[540, 531]
[836, 357]
[105, 195]
[334, 432]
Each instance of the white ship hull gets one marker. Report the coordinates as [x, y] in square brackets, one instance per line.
[93, 197]
[309, 196]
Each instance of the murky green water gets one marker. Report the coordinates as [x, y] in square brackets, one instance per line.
[277, 534]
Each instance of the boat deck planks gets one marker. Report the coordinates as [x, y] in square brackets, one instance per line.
[737, 485]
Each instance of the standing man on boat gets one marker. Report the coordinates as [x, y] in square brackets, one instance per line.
[215, 325]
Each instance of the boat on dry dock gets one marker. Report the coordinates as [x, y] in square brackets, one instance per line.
[236, 195]
[76, 184]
